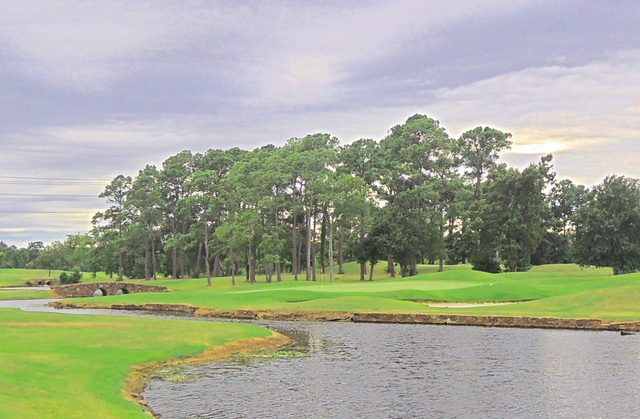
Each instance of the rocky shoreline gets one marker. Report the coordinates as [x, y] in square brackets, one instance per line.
[370, 317]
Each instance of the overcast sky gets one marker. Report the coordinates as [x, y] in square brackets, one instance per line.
[92, 89]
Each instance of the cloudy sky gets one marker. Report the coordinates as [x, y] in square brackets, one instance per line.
[92, 89]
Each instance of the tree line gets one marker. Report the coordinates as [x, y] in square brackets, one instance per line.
[416, 196]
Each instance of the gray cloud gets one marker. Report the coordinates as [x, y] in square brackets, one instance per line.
[94, 89]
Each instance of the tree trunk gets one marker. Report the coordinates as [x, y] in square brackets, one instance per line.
[308, 224]
[120, 278]
[184, 232]
[174, 251]
[198, 271]
[323, 237]
[120, 263]
[294, 237]
[330, 251]
[252, 264]
[314, 254]
[279, 271]
[363, 271]
[371, 273]
[391, 267]
[341, 251]
[206, 252]
[147, 264]
[153, 260]
[299, 267]
[267, 272]
[216, 266]
[233, 266]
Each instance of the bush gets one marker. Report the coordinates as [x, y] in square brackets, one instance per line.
[76, 275]
[64, 278]
[73, 278]
[486, 264]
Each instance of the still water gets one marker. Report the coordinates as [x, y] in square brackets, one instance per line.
[361, 370]
[404, 371]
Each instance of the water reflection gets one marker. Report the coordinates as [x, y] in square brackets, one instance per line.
[368, 370]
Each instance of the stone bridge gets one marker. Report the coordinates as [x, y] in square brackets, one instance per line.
[90, 289]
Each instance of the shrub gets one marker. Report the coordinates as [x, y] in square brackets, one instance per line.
[64, 278]
[73, 278]
[486, 264]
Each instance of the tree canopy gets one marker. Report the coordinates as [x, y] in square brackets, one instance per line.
[416, 196]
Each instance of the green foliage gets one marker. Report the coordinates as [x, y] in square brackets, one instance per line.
[64, 278]
[512, 214]
[486, 263]
[276, 210]
[608, 226]
[72, 278]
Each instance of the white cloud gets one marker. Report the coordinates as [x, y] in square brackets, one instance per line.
[570, 111]
[311, 51]
[88, 45]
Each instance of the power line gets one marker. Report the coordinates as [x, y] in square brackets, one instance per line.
[53, 178]
[50, 195]
[43, 212]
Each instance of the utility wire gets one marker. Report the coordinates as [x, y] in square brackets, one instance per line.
[50, 195]
[43, 212]
[51, 178]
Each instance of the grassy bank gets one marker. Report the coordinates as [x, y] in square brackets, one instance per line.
[24, 294]
[62, 366]
[566, 291]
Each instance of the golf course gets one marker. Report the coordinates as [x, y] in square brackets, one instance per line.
[58, 365]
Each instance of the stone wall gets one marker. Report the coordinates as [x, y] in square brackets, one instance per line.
[108, 288]
[495, 321]
[307, 315]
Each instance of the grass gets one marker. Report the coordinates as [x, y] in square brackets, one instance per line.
[557, 290]
[57, 365]
[19, 277]
[24, 294]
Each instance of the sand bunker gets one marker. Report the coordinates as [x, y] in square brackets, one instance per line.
[466, 305]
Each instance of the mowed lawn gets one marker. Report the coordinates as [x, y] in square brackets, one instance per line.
[29, 277]
[551, 290]
[74, 366]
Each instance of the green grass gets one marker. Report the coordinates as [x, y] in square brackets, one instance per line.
[62, 366]
[74, 366]
[556, 289]
[24, 294]
[13, 277]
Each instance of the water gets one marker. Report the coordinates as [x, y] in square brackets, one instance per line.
[404, 371]
[408, 371]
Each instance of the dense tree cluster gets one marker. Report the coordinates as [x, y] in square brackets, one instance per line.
[416, 196]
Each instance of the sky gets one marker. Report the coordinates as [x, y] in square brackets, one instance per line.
[93, 89]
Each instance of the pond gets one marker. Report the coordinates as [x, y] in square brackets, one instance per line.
[400, 371]
[358, 370]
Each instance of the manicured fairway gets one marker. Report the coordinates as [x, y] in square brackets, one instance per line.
[556, 290]
[12, 277]
[70, 366]
[10, 294]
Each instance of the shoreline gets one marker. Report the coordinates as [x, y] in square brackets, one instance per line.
[139, 376]
[371, 317]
